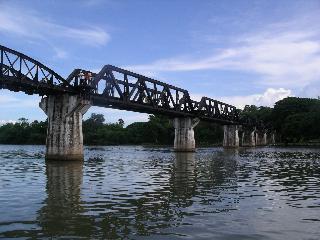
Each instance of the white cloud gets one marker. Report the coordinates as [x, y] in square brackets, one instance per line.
[112, 115]
[282, 58]
[93, 2]
[60, 53]
[2, 122]
[268, 98]
[311, 91]
[26, 23]
[7, 100]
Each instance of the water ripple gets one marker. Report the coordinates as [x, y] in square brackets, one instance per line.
[134, 192]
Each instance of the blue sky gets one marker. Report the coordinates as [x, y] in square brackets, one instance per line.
[241, 52]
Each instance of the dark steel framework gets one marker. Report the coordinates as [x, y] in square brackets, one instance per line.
[19, 72]
[112, 87]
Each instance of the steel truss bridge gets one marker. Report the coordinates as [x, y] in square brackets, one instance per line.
[112, 87]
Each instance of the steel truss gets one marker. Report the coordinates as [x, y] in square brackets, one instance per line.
[112, 87]
[19, 72]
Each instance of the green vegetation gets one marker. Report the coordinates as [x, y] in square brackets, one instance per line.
[295, 120]
[23, 132]
[157, 131]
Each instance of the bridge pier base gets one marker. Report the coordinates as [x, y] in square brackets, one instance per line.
[261, 138]
[230, 136]
[64, 134]
[271, 138]
[184, 134]
[248, 138]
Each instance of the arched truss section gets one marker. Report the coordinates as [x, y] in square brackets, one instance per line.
[19, 72]
[122, 89]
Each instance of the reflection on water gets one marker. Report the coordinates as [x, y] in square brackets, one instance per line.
[62, 213]
[136, 192]
[183, 175]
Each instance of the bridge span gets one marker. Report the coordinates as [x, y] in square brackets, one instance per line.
[65, 101]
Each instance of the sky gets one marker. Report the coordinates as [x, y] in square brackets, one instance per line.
[241, 52]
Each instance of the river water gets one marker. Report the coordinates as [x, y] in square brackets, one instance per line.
[132, 192]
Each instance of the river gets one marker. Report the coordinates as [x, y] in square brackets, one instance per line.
[133, 192]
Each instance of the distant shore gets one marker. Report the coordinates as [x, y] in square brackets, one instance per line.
[302, 144]
[147, 145]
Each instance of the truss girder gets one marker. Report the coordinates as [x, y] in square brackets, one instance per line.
[112, 87]
[19, 72]
[120, 88]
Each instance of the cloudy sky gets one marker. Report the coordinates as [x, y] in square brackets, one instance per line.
[241, 52]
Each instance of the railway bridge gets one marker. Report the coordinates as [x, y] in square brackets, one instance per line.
[66, 100]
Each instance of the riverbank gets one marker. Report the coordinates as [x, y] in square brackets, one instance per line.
[302, 144]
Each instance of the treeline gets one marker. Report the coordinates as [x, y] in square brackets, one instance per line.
[295, 120]
[157, 131]
[23, 132]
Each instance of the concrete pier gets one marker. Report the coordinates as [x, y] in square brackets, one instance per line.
[271, 138]
[184, 134]
[230, 136]
[64, 133]
[261, 138]
[248, 138]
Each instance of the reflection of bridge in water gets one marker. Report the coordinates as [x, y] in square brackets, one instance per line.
[66, 100]
[71, 212]
[63, 213]
[183, 179]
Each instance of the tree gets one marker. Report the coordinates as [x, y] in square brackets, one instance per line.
[121, 122]
[207, 133]
[160, 129]
[295, 119]
[256, 114]
[96, 119]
